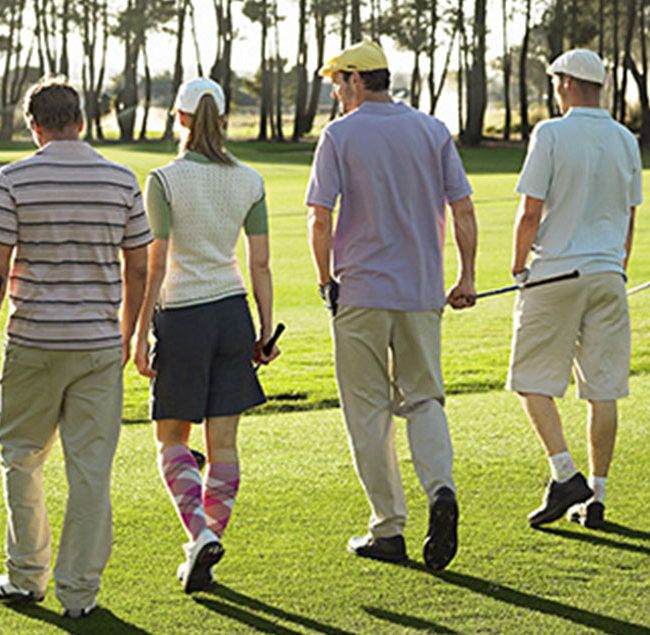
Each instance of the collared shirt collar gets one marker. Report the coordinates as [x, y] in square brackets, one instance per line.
[63, 149]
[582, 111]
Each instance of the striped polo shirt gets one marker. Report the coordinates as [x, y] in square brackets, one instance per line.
[69, 212]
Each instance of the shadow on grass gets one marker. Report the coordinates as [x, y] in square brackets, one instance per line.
[622, 530]
[594, 538]
[99, 621]
[596, 621]
[408, 621]
[248, 617]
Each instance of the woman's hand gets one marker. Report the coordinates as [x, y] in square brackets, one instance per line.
[260, 357]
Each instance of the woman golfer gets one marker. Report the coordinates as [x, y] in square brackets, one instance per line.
[205, 342]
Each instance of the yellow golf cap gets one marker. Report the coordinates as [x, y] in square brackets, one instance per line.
[364, 56]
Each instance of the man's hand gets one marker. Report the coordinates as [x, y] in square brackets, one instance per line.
[329, 293]
[141, 357]
[462, 295]
[126, 351]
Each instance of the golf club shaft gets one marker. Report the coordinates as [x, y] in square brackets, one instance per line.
[641, 287]
[528, 285]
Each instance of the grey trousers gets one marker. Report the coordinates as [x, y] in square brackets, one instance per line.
[78, 394]
[388, 363]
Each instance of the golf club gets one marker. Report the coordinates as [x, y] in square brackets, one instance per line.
[641, 287]
[268, 347]
[528, 285]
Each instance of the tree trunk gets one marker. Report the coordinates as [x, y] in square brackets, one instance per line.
[355, 22]
[431, 54]
[147, 92]
[641, 79]
[616, 57]
[462, 66]
[445, 69]
[317, 80]
[301, 75]
[523, 71]
[477, 88]
[220, 71]
[279, 70]
[601, 28]
[507, 70]
[64, 64]
[555, 36]
[102, 71]
[573, 33]
[264, 91]
[178, 66]
[344, 33]
[195, 40]
[629, 35]
[416, 81]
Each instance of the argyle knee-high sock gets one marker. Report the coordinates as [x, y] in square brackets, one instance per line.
[219, 492]
[183, 479]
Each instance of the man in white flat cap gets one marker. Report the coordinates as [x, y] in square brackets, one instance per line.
[580, 184]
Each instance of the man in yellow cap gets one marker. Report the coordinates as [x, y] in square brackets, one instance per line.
[394, 170]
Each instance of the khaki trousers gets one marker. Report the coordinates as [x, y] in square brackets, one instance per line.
[80, 394]
[388, 363]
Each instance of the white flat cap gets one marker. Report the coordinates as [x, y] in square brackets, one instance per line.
[581, 64]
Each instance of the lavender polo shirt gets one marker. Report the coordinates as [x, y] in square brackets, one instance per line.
[393, 169]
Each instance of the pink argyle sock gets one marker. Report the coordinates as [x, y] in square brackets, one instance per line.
[219, 493]
[183, 479]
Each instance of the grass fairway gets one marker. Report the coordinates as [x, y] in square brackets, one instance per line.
[286, 570]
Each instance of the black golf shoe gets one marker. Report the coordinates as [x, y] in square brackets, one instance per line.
[391, 549]
[590, 515]
[441, 542]
[558, 498]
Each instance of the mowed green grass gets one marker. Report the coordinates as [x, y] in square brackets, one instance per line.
[286, 570]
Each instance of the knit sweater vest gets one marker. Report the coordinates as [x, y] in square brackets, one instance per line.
[209, 203]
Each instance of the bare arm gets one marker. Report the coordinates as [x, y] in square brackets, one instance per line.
[156, 270]
[5, 261]
[319, 223]
[463, 293]
[526, 226]
[260, 272]
[628, 238]
[134, 274]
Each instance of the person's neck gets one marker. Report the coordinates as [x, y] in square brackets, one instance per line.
[46, 136]
[382, 96]
[583, 103]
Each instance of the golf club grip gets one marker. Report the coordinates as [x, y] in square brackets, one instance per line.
[268, 347]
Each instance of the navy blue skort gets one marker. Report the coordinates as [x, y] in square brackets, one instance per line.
[203, 356]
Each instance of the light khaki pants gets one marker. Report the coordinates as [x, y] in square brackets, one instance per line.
[388, 363]
[80, 394]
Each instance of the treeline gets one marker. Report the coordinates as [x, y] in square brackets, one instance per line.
[444, 38]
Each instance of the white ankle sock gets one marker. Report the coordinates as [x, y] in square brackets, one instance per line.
[562, 466]
[598, 485]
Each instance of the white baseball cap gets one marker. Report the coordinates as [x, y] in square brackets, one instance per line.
[190, 93]
[581, 64]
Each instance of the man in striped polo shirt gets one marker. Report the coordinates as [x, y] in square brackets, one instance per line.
[66, 214]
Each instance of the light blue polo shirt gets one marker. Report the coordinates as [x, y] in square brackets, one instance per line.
[393, 169]
[586, 168]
